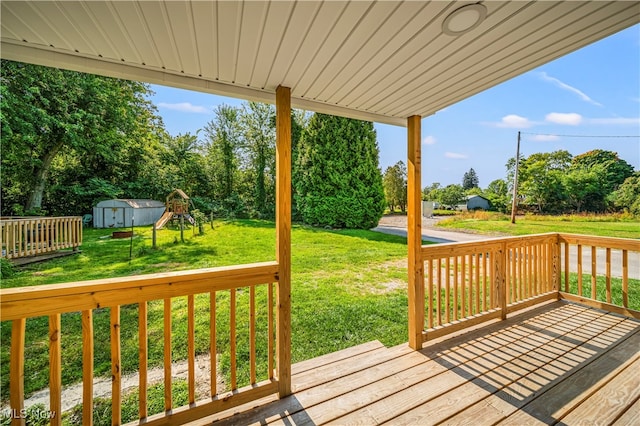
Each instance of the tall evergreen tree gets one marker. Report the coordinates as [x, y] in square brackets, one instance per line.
[470, 180]
[339, 183]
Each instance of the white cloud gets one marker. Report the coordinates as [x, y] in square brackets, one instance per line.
[513, 121]
[615, 120]
[571, 89]
[185, 107]
[429, 140]
[570, 118]
[455, 155]
[544, 138]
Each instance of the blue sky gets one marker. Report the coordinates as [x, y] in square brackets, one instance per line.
[593, 91]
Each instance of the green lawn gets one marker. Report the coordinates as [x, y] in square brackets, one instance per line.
[495, 223]
[348, 287]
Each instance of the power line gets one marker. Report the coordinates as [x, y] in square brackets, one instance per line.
[582, 136]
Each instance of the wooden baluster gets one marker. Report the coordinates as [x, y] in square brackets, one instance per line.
[550, 266]
[168, 403]
[80, 231]
[430, 294]
[579, 269]
[534, 269]
[143, 411]
[625, 278]
[213, 350]
[271, 330]
[477, 281]
[116, 367]
[55, 370]
[191, 347]
[470, 287]
[594, 293]
[16, 369]
[447, 290]
[439, 293]
[232, 329]
[608, 274]
[463, 288]
[566, 267]
[456, 284]
[87, 367]
[523, 285]
[252, 334]
[485, 276]
[500, 282]
[508, 276]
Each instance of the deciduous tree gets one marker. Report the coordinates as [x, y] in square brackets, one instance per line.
[96, 123]
[395, 186]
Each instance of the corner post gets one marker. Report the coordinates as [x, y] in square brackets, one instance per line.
[283, 238]
[414, 234]
[500, 282]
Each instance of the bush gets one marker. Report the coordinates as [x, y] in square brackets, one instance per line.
[6, 268]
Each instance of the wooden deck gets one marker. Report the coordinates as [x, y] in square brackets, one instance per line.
[558, 363]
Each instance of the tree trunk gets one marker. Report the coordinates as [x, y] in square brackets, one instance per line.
[34, 201]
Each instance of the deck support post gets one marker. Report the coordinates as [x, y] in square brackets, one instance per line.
[283, 238]
[414, 234]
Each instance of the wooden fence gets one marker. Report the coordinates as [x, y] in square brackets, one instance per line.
[31, 236]
[470, 283]
[220, 288]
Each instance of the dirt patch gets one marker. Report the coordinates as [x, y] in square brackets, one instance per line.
[398, 263]
[389, 286]
[72, 395]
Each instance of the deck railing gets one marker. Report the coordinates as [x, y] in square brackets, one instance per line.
[247, 293]
[596, 271]
[31, 236]
[473, 282]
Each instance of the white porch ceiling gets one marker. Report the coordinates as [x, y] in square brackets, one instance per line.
[375, 60]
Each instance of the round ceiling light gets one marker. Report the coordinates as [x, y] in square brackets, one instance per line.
[464, 19]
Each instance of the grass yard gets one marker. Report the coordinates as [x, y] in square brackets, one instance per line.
[349, 287]
[622, 226]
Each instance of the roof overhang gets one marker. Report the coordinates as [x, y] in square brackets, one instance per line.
[378, 61]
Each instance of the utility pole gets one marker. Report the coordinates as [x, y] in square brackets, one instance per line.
[514, 204]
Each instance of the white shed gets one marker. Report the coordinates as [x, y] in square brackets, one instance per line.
[119, 212]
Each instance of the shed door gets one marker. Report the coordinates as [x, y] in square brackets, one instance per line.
[114, 217]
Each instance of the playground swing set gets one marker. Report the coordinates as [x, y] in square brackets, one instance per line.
[177, 208]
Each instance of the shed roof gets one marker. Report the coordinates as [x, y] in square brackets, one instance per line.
[379, 61]
[135, 203]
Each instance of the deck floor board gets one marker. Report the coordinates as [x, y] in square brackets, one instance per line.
[560, 362]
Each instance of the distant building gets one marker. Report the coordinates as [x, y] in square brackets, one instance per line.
[475, 202]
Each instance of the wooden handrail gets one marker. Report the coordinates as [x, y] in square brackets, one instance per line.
[25, 302]
[18, 304]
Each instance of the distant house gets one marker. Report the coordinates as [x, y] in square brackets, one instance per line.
[475, 202]
[119, 213]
